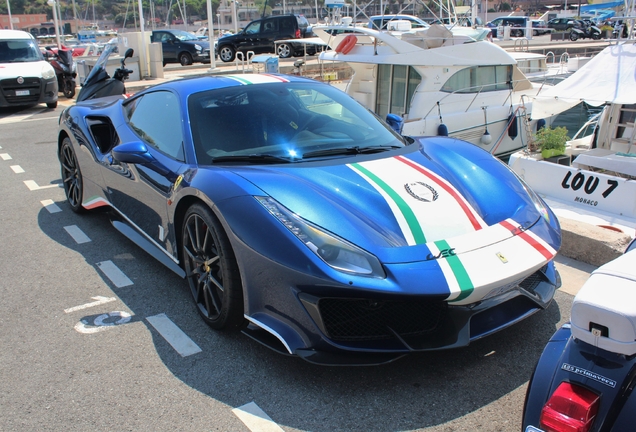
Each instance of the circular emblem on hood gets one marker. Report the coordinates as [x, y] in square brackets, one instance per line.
[421, 191]
[20, 80]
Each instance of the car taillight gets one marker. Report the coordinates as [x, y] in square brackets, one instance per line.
[571, 408]
[297, 33]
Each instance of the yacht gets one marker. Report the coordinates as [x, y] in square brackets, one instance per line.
[440, 80]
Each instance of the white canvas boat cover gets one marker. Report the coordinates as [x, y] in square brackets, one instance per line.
[609, 77]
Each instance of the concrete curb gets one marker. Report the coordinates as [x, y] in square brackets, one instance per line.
[591, 244]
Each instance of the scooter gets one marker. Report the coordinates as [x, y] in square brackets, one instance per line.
[65, 69]
[585, 378]
[98, 83]
[585, 31]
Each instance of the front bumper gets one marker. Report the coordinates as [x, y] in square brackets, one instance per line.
[32, 91]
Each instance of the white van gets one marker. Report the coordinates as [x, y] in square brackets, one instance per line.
[25, 77]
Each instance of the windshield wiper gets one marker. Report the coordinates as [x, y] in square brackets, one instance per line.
[349, 151]
[253, 158]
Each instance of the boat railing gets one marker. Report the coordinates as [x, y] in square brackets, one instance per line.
[522, 45]
[520, 111]
[548, 55]
[476, 90]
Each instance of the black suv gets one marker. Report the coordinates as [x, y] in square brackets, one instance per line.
[182, 47]
[259, 36]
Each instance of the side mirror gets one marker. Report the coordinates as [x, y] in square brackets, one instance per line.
[396, 122]
[136, 152]
[129, 53]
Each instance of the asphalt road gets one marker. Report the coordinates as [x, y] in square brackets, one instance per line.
[80, 348]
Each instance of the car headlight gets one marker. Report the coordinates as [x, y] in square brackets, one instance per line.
[47, 71]
[335, 252]
[198, 47]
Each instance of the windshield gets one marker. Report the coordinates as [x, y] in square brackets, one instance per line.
[19, 51]
[100, 65]
[183, 35]
[293, 121]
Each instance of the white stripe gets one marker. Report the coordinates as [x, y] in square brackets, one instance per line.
[5, 156]
[397, 175]
[77, 234]
[16, 118]
[255, 418]
[33, 186]
[17, 169]
[112, 272]
[98, 301]
[51, 206]
[174, 335]
[449, 275]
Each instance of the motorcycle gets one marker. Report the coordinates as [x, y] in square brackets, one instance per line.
[65, 69]
[585, 378]
[585, 30]
[98, 83]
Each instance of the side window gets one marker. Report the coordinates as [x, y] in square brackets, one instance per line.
[270, 25]
[479, 79]
[253, 28]
[287, 24]
[156, 118]
[396, 86]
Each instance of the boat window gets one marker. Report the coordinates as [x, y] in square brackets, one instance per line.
[396, 86]
[480, 79]
[626, 119]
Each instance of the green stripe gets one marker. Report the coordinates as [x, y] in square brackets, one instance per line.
[407, 212]
[461, 275]
[242, 80]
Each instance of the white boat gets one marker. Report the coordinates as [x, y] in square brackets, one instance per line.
[595, 181]
[440, 80]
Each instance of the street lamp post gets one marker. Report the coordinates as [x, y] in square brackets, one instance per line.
[211, 37]
[52, 3]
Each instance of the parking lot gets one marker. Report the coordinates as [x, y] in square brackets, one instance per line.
[98, 335]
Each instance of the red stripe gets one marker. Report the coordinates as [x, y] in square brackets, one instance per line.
[460, 200]
[276, 77]
[528, 238]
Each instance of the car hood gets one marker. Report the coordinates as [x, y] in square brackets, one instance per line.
[397, 204]
[24, 69]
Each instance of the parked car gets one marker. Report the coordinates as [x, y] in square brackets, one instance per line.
[584, 380]
[179, 46]
[561, 24]
[518, 24]
[380, 22]
[540, 27]
[260, 35]
[25, 77]
[298, 216]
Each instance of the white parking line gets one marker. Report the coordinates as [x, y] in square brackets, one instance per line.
[98, 301]
[17, 169]
[32, 185]
[50, 206]
[112, 272]
[5, 156]
[255, 418]
[174, 335]
[77, 234]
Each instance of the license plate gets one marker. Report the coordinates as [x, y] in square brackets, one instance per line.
[21, 92]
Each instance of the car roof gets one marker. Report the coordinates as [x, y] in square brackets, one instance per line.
[15, 34]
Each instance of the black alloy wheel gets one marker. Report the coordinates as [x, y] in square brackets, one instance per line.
[185, 59]
[211, 270]
[71, 176]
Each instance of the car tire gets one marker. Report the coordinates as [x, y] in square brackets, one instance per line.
[185, 59]
[211, 269]
[227, 53]
[71, 176]
[284, 50]
[51, 105]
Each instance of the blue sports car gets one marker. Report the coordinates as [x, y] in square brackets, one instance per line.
[302, 219]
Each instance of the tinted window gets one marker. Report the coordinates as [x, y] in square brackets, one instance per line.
[479, 79]
[253, 28]
[270, 25]
[156, 118]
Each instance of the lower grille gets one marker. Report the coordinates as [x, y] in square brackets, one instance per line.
[531, 282]
[10, 86]
[367, 319]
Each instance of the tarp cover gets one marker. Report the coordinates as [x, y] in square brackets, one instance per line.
[609, 77]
